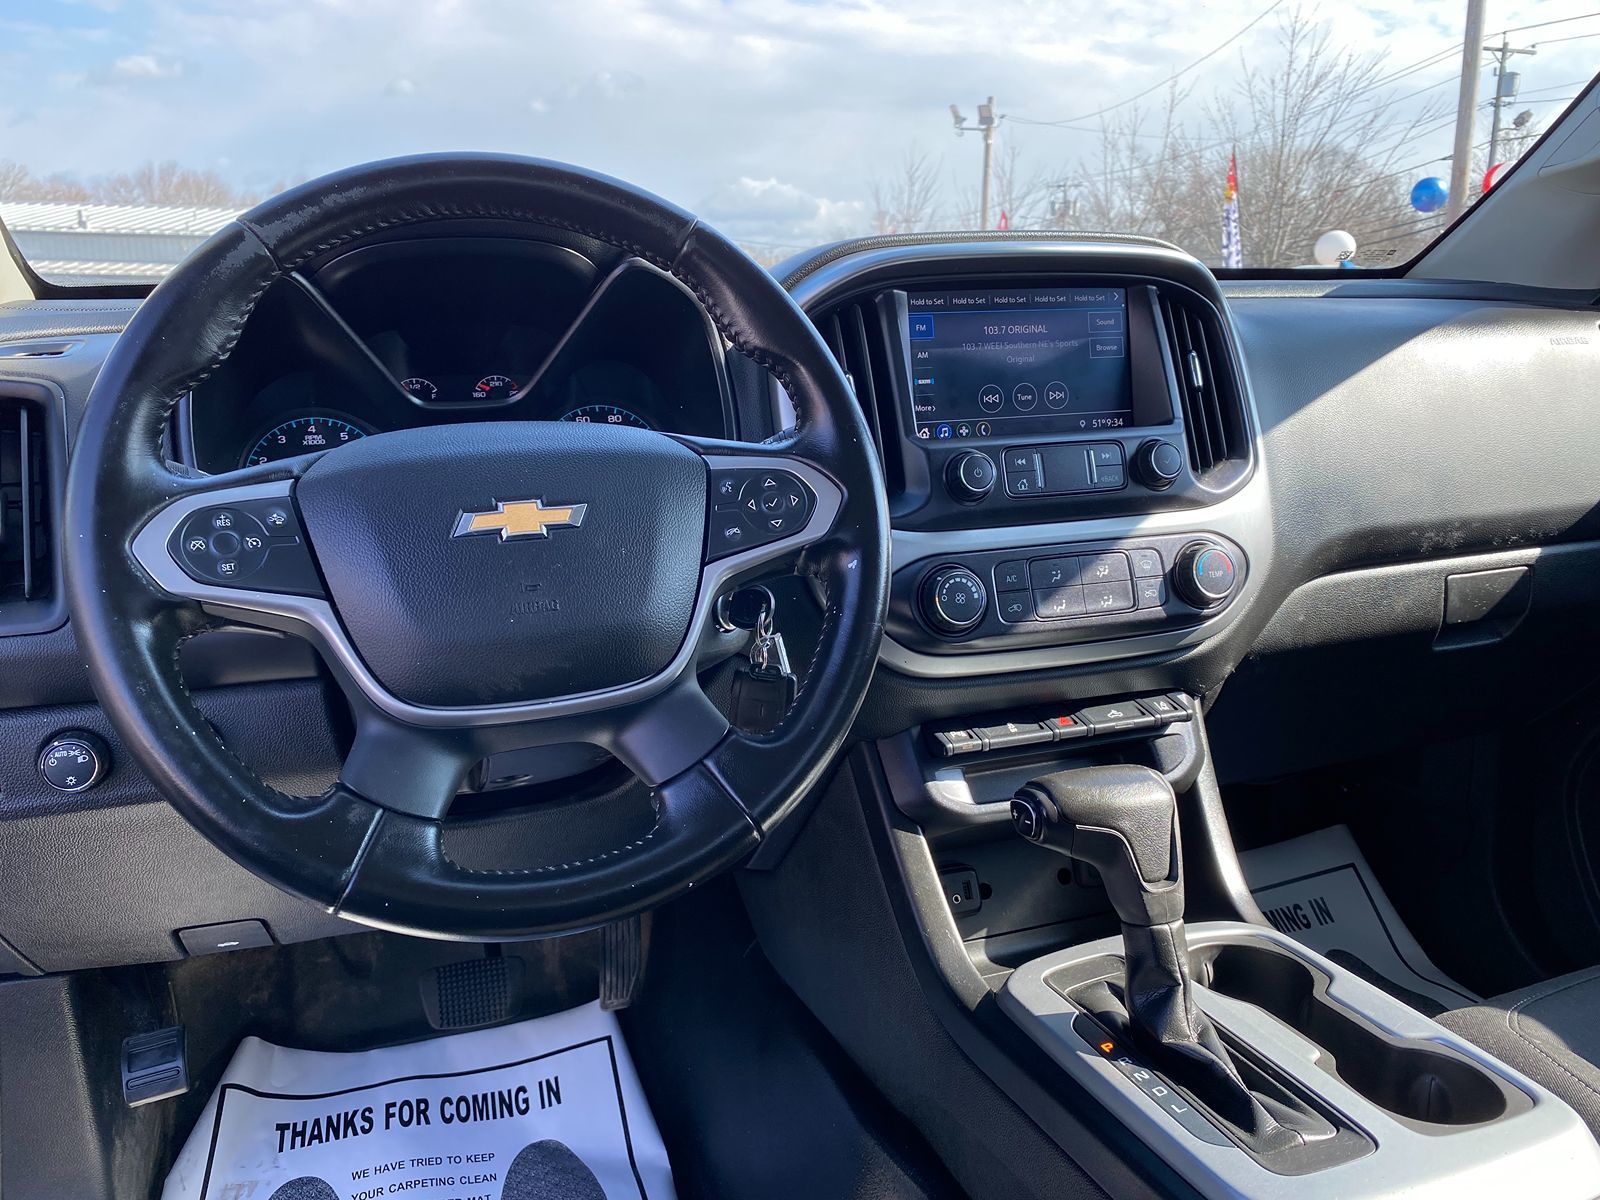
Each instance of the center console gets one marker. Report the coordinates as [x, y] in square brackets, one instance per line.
[1069, 447]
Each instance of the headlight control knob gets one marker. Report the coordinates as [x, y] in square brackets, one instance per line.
[953, 599]
[74, 761]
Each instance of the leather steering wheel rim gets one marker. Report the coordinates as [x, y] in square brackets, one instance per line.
[347, 850]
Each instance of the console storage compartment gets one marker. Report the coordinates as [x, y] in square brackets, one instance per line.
[1412, 1080]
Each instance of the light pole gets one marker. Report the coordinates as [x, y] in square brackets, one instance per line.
[1466, 106]
[988, 121]
[1505, 90]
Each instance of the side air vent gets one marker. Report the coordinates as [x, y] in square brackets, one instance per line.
[30, 598]
[854, 332]
[1208, 386]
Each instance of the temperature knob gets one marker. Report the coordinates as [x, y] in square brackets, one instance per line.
[1204, 574]
[953, 600]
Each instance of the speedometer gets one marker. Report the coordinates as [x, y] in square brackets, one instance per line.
[605, 414]
[301, 435]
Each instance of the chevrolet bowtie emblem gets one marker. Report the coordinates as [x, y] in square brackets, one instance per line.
[519, 518]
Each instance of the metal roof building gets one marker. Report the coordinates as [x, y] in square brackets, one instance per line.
[107, 243]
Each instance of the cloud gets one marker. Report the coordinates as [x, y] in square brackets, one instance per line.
[772, 211]
[143, 68]
[772, 118]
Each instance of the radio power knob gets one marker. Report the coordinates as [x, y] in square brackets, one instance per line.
[970, 476]
[953, 600]
[1204, 574]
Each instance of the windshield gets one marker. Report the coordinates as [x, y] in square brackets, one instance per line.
[1252, 134]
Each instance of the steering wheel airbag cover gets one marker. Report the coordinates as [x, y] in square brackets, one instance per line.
[521, 611]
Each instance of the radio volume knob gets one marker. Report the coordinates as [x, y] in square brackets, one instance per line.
[953, 600]
[970, 476]
[1204, 574]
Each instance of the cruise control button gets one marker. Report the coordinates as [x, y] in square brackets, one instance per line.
[1107, 597]
[225, 544]
[1117, 718]
[1103, 568]
[1146, 563]
[1015, 607]
[221, 518]
[1052, 603]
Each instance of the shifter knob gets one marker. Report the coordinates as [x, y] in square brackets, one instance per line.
[1121, 818]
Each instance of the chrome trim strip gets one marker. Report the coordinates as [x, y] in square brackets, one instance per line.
[316, 619]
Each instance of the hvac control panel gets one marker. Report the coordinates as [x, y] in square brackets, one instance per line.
[1050, 595]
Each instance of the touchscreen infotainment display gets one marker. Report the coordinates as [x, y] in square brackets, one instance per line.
[1004, 363]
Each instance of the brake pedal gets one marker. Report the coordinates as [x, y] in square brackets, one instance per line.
[473, 993]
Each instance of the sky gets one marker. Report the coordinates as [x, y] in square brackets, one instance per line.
[768, 118]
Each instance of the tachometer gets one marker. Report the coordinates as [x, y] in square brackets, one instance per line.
[495, 387]
[606, 414]
[301, 435]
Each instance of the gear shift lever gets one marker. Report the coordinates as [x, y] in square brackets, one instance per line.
[1123, 819]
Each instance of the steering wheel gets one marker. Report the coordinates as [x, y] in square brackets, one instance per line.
[474, 588]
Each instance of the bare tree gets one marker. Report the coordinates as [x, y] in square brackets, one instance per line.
[1318, 149]
[1017, 190]
[169, 183]
[907, 201]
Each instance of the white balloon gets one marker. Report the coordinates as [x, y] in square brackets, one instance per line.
[1332, 247]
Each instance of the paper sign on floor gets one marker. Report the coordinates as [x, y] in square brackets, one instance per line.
[548, 1109]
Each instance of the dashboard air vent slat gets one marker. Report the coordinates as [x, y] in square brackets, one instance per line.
[1213, 402]
[27, 560]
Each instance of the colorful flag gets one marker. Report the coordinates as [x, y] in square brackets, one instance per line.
[1232, 244]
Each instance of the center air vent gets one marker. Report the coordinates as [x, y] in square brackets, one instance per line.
[30, 599]
[1214, 419]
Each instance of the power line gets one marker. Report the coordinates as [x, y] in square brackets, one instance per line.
[1169, 79]
[1547, 24]
[1577, 37]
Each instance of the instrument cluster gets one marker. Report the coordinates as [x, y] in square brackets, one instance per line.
[436, 331]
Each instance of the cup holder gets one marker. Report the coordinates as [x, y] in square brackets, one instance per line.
[1410, 1080]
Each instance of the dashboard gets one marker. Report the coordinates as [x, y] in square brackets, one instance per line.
[443, 330]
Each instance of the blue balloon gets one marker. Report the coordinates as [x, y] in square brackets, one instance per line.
[1429, 194]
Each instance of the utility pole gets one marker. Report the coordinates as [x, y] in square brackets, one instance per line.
[988, 122]
[1505, 91]
[1466, 110]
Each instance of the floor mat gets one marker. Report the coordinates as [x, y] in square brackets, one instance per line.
[548, 1109]
[1319, 890]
